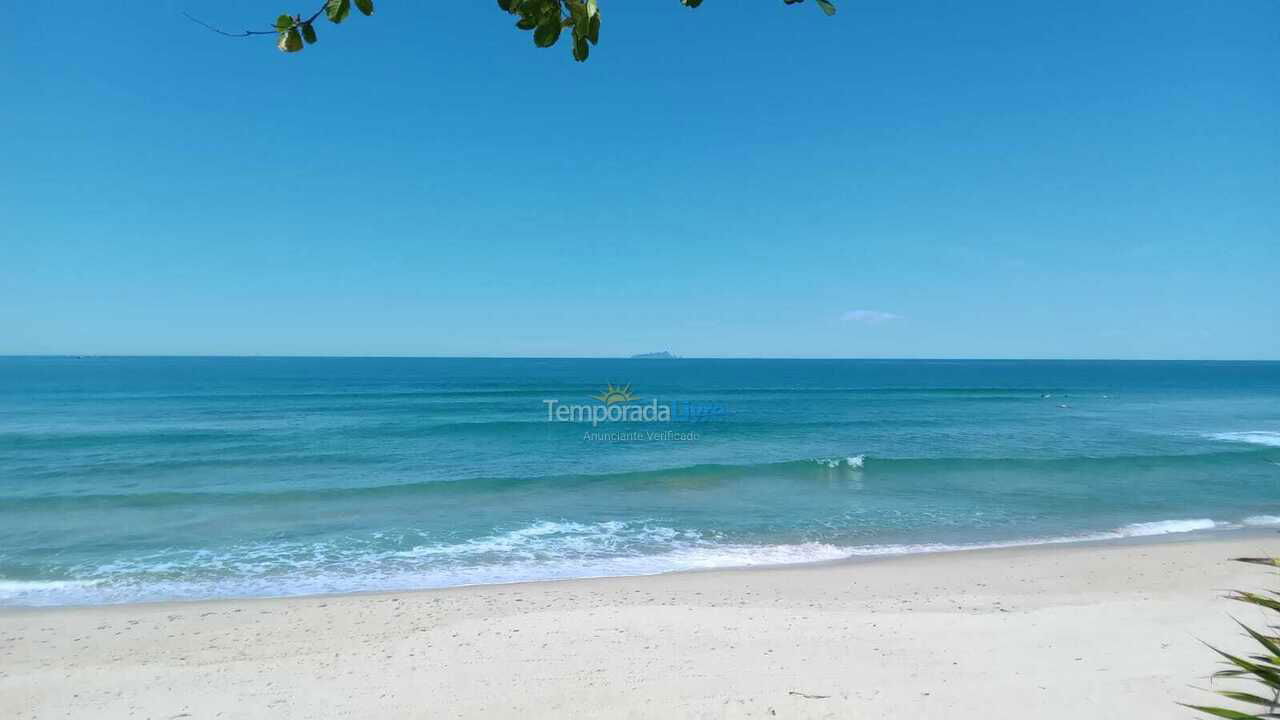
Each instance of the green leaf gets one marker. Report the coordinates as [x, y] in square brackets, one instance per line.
[284, 22]
[547, 32]
[308, 33]
[1220, 712]
[593, 29]
[1248, 698]
[1270, 562]
[827, 7]
[1261, 672]
[505, 5]
[337, 10]
[581, 49]
[290, 41]
[365, 6]
[1263, 640]
[1255, 599]
[691, 3]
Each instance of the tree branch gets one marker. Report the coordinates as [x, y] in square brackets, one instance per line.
[546, 19]
[251, 33]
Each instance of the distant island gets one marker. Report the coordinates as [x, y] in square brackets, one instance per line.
[664, 355]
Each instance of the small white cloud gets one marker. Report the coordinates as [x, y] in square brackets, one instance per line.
[870, 317]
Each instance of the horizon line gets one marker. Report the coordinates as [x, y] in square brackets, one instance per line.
[935, 358]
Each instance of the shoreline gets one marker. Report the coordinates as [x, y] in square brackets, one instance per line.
[1100, 630]
[1219, 534]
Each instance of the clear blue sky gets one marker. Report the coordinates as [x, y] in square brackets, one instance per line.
[911, 178]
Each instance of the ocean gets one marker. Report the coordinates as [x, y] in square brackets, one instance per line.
[140, 479]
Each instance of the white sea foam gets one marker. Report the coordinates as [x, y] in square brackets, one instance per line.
[1253, 437]
[495, 560]
[853, 462]
[1162, 527]
[48, 592]
[1261, 520]
[545, 550]
[1165, 527]
[8, 587]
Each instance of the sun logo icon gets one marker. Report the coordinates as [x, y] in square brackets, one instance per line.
[614, 395]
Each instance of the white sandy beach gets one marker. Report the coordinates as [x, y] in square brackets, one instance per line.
[1072, 631]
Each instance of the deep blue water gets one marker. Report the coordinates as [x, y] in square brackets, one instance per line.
[152, 478]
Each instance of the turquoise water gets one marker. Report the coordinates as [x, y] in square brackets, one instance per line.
[125, 479]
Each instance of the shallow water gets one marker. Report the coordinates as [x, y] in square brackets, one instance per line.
[125, 479]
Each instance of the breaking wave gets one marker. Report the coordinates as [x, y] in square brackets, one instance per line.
[540, 551]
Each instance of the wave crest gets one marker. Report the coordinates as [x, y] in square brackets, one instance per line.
[1265, 438]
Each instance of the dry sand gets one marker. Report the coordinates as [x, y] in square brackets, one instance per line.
[1073, 631]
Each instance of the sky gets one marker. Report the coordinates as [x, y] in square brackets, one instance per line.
[909, 178]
